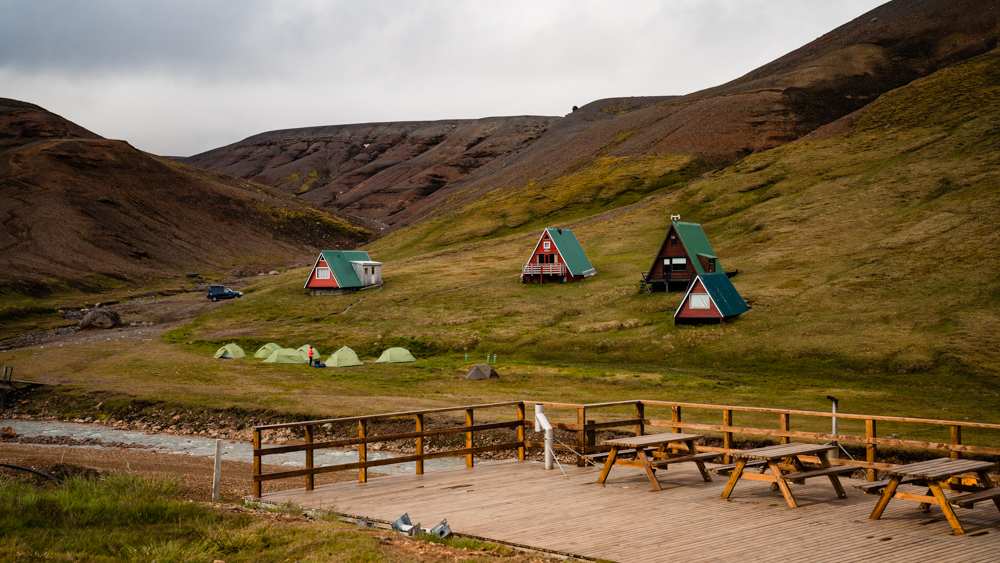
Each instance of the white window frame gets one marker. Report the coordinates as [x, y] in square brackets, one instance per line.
[546, 245]
[322, 273]
[677, 261]
[699, 301]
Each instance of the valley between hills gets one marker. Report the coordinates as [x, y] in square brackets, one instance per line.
[853, 183]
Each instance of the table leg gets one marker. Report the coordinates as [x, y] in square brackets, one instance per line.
[835, 479]
[693, 450]
[607, 465]
[734, 477]
[926, 506]
[887, 495]
[649, 470]
[946, 507]
[780, 480]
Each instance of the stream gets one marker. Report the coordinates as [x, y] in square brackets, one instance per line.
[200, 446]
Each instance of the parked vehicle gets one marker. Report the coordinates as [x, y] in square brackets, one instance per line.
[217, 292]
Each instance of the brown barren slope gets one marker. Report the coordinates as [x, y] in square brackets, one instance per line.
[73, 204]
[408, 172]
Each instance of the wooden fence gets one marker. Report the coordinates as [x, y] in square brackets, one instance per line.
[586, 429]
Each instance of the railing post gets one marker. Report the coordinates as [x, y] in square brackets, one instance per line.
[309, 458]
[420, 444]
[256, 463]
[870, 449]
[520, 431]
[956, 439]
[727, 437]
[362, 453]
[786, 425]
[675, 416]
[581, 435]
[468, 436]
[640, 413]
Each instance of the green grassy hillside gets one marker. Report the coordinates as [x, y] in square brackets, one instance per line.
[872, 251]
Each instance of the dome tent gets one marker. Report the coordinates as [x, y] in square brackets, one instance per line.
[343, 358]
[395, 355]
[230, 351]
[265, 350]
[287, 356]
[482, 371]
[305, 350]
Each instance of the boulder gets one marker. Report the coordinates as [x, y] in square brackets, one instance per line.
[7, 433]
[100, 318]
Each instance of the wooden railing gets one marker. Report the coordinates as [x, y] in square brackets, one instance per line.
[363, 439]
[636, 421]
[548, 269]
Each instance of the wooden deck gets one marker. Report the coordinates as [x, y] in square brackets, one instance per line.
[521, 503]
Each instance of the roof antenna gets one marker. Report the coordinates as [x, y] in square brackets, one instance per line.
[675, 217]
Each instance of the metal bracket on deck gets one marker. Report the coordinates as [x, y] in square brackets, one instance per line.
[403, 524]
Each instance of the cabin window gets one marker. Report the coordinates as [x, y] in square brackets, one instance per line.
[673, 241]
[546, 245]
[541, 258]
[699, 301]
[711, 265]
[679, 265]
[322, 273]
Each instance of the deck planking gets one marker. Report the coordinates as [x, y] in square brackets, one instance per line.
[521, 503]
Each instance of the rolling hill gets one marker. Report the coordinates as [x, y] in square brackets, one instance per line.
[402, 174]
[89, 212]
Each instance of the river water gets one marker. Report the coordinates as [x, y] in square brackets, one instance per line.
[200, 446]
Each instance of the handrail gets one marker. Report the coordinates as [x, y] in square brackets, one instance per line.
[586, 434]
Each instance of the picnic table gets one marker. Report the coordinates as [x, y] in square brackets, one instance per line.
[935, 475]
[792, 470]
[650, 452]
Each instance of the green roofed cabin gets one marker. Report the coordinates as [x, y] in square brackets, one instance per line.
[343, 271]
[558, 257]
[684, 254]
[710, 299]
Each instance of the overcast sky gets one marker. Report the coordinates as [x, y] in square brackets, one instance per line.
[180, 77]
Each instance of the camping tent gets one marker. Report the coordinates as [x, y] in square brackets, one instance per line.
[343, 358]
[230, 351]
[482, 371]
[305, 350]
[395, 355]
[287, 356]
[266, 350]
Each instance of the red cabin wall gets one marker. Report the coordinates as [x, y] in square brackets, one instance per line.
[667, 250]
[315, 282]
[687, 312]
[551, 252]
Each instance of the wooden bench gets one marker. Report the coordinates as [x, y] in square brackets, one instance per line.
[969, 500]
[821, 472]
[697, 457]
[727, 469]
[603, 456]
[876, 487]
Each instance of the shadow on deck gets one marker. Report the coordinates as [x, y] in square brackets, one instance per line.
[520, 503]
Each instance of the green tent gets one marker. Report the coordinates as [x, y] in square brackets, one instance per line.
[266, 350]
[287, 356]
[305, 350]
[395, 355]
[343, 358]
[230, 351]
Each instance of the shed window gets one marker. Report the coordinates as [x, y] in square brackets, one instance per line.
[673, 241]
[322, 273]
[679, 265]
[699, 301]
[546, 245]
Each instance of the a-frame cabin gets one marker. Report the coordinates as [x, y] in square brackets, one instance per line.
[343, 271]
[711, 298]
[684, 254]
[557, 258]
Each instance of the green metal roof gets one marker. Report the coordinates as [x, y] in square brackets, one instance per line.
[340, 264]
[696, 244]
[722, 292]
[572, 253]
